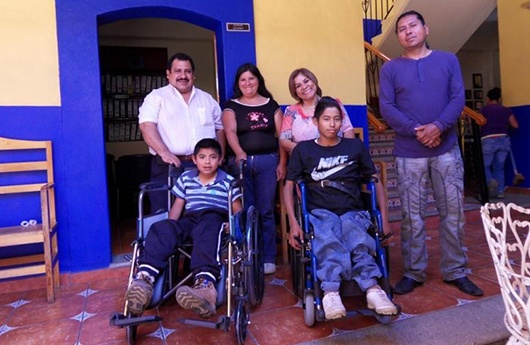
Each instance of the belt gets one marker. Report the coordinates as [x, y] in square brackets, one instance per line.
[186, 158]
[347, 187]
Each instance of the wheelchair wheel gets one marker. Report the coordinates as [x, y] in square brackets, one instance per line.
[254, 274]
[309, 309]
[297, 272]
[295, 258]
[242, 321]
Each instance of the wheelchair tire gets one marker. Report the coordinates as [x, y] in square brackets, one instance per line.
[297, 272]
[242, 321]
[254, 272]
[309, 309]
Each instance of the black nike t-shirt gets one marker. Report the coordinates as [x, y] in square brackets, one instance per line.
[348, 161]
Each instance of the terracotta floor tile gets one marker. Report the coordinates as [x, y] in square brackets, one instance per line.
[59, 332]
[39, 310]
[106, 301]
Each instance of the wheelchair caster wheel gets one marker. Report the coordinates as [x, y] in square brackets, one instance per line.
[242, 321]
[309, 310]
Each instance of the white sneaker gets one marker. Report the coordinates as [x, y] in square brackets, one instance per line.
[333, 307]
[269, 268]
[377, 299]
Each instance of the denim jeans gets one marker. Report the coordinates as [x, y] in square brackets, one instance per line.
[343, 248]
[495, 151]
[445, 173]
[259, 190]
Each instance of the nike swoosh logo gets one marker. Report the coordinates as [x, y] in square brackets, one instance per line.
[318, 176]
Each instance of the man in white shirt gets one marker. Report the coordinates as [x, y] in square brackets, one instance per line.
[174, 118]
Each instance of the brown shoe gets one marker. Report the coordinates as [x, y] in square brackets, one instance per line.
[139, 295]
[200, 298]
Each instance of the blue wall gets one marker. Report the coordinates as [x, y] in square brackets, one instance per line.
[76, 127]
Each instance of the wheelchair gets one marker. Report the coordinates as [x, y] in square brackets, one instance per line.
[306, 285]
[242, 281]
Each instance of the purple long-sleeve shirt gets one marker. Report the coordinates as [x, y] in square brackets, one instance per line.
[419, 92]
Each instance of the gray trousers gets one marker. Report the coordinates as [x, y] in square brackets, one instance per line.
[446, 176]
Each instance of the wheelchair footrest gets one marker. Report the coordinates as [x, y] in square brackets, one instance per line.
[384, 319]
[121, 320]
[222, 323]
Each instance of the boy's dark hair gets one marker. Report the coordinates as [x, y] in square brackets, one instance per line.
[249, 67]
[494, 94]
[180, 57]
[410, 13]
[324, 103]
[207, 143]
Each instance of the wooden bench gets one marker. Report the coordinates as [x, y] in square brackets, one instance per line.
[22, 176]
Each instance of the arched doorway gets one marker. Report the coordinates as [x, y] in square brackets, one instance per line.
[133, 54]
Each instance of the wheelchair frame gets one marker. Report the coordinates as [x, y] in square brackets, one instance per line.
[241, 283]
[304, 264]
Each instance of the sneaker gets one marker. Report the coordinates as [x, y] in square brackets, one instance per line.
[377, 299]
[139, 294]
[269, 268]
[333, 307]
[200, 298]
[492, 187]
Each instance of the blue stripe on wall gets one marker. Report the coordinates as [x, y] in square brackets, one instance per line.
[519, 139]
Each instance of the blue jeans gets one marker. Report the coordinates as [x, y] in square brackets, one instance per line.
[343, 249]
[445, 173]
[495, 151]
[259, 190]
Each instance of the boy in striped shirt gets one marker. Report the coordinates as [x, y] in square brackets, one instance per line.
[198, 213]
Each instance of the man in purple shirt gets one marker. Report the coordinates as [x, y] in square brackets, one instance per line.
[421, 98]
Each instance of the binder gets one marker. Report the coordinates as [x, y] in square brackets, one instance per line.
[119, 83]
[127, 132]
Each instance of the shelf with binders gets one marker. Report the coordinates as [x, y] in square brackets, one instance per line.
[123, 94]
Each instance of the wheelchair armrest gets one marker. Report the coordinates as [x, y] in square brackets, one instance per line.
[153, 185]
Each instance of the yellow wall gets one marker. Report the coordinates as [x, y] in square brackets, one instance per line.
[514, 29]
[324, 36]
[29, 67]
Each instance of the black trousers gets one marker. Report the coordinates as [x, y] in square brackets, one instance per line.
[203, 227]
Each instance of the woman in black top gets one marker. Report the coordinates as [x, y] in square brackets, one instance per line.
[252, 120]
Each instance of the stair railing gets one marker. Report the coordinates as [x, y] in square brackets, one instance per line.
[469, 126]
[375, 11]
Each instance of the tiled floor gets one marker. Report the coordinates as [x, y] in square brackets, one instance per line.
[80, 315]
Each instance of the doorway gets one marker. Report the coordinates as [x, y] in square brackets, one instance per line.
[133, 54]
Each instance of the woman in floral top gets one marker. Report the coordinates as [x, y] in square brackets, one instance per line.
[297, 124]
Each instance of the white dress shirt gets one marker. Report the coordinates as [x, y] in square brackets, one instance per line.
[181, 125]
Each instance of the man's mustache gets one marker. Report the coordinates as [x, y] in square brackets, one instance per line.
[183, 79]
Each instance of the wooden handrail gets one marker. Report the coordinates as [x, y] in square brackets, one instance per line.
[477, 117]
[378, 126]
[376, 51]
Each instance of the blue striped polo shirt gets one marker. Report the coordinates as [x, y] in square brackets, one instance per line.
[199, 197]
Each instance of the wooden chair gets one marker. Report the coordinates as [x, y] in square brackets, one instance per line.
[21, 174]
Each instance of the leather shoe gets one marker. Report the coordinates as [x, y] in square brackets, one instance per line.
[466, 286]
[406, 285]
